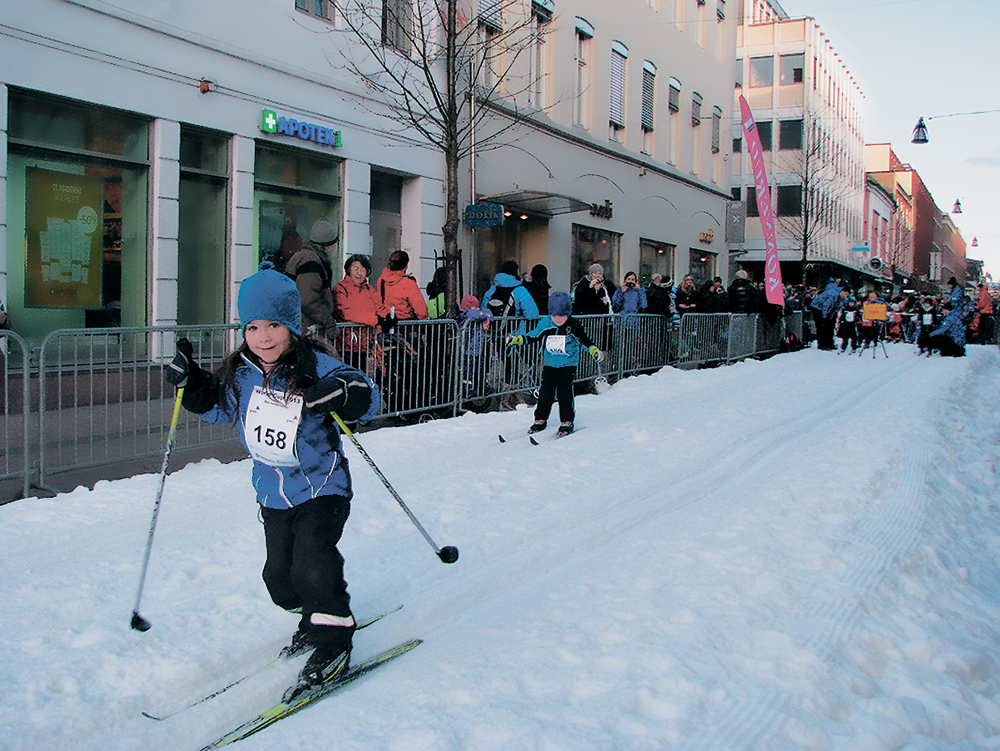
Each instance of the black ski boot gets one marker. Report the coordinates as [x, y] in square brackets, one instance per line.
[324, 665]
[537, 426]
[564, 429]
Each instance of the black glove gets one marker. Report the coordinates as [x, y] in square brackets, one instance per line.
[349, 396]
[387, 324]
[182, 366]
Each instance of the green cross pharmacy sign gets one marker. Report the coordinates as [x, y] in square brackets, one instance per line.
[279, 125]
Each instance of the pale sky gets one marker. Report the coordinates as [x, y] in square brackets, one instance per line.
[924, 58]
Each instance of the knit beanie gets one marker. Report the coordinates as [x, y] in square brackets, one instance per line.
[323, 233]
[560, 304]
[596, 267]
[269, 295]
[468, 302]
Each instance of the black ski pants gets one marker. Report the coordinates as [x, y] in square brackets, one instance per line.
[304, 571]
[556, 383]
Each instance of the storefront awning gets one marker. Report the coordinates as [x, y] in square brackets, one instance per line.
[538, 202]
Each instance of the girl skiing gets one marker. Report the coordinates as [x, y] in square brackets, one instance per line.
[563, 336]
[281, 388]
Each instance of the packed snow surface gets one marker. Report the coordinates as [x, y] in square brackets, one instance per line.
[800, 553]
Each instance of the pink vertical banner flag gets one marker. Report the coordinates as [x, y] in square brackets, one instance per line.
[772, 269]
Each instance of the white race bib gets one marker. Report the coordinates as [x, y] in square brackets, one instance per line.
[271, 424]
[928, 319]
[849, 316]
[556, 344]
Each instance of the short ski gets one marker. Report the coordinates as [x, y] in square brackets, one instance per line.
[555, 436]
[280, 711]
[365, 623]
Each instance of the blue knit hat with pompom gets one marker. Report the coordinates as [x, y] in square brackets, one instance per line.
[269, 295]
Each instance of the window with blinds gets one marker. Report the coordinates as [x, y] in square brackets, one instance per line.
[675, 95]
[716, 129]
[619, 60]
[648, 96]
[491, 13]
[696, 109]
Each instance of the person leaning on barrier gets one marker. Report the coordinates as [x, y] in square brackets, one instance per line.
[658, 296]
[355, 301]
[399, 292]
[592, 294]
[630, 298]
[686, 297]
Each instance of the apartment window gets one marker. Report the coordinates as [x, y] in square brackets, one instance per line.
[761, 72]
[490, 27]
[616, 114]
[541, 11]
[716, 130]
[720, 10]
[790, 135]
[696, 109]
[737, 194]
[789, 200]
[675, 95]
[752, 209]
[648, 95]
[648, 105]
[397, 22]
[737, 145]
[738, 73]
[764, 132]
[791, 69]
[584, 38]
[318, 8]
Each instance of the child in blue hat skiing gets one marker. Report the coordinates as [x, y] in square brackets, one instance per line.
[281, 388]
[563, 337]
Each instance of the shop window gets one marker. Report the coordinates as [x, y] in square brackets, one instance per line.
[293, 189]
[655, 258]
[593, 245]
[79, 175]
[201, 235]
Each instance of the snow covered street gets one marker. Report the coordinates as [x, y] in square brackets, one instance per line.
[801, 553]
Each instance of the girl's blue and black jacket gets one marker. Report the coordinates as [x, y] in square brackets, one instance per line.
[322, 468]
[555, 357]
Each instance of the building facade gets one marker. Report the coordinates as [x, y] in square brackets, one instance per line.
[929, 245]
[808, 111]
[149, 162]
[604, 142]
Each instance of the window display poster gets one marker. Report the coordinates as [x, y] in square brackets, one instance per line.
[65, 226]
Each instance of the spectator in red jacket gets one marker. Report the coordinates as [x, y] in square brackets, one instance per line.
[355, 301]
[399, 292]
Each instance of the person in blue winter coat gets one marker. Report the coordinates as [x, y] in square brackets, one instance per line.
[949, 339]
[509, 297]
[563, 337]
[630, 298]
[281, 388]
[825, 307]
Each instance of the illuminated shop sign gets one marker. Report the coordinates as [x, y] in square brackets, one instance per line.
[279, 125]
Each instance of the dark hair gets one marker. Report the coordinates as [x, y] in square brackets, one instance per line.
[539, 273]
[363, 260]
[398, 260]
[509, 267]
[295, 365]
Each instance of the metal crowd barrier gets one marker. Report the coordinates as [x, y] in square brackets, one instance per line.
[101, 397]
[15, 417]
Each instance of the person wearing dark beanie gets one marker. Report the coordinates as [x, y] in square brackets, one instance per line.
[312, 270]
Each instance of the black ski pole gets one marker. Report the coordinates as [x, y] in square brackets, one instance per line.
[449, 553]
[138, 622]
